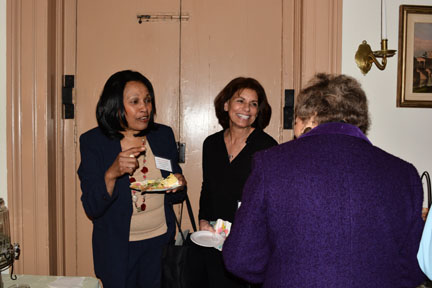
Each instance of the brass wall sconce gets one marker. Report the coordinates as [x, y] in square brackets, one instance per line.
[364, 56]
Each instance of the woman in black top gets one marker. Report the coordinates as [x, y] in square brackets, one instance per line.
[243, 111]
[224, 179]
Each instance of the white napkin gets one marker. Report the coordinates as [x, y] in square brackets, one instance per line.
[67, 282]
[222, 228]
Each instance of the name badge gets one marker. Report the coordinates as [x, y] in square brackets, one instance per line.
[163, 164]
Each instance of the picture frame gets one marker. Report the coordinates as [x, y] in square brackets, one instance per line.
[414, 83]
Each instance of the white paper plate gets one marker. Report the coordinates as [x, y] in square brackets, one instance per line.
[207, 238]
[152, 189]
[161, 189]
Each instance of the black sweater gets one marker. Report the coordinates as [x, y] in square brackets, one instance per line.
[223, 181]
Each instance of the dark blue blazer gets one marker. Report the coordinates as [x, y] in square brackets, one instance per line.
[111, 215]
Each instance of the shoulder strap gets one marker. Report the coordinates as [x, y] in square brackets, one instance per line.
[428, 185]
[190, 212]
[191, 217]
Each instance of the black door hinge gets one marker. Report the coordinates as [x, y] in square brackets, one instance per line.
[68, 106]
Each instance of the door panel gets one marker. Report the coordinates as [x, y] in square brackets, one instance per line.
[105, 46]
[223, 40]
[110, 39]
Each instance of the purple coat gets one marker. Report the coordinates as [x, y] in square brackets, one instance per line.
[328, 210]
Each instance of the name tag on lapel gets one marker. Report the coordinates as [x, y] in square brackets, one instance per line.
[163, 164]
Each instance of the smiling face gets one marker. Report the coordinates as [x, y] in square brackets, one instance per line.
[242, 108]
[138, 106]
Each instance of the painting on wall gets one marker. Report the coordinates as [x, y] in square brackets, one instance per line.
[415, 56]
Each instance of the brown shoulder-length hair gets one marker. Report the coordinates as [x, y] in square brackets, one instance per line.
[334, 98]
[236, 86]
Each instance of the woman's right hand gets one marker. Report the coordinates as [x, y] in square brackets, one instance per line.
[125, 162]
[205, 225]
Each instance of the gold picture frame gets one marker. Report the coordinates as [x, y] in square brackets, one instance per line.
[414, 83]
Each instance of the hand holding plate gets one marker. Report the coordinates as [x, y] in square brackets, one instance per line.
[204, 225]
[181, 183]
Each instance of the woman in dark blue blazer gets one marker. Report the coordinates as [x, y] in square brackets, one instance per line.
[129, 229]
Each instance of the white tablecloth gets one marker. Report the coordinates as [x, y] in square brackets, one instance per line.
[37, 281]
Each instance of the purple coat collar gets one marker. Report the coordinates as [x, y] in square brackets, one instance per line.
[337, 128]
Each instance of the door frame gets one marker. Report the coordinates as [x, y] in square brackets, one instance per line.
[36, 135]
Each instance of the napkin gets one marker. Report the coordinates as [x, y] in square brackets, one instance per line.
[222, 228]
[67, 282]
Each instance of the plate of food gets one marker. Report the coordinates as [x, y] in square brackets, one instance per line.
[207, 239]
[156, 185]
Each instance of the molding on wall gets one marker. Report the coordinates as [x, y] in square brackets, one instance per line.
[28, 88]
[69, 186]
[3, 93]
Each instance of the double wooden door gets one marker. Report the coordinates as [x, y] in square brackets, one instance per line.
[189, 49]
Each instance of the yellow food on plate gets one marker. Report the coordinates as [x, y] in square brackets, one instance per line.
[170, 181]
[157, 184]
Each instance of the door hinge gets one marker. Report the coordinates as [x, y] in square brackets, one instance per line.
[181, 147]
[288, 109]
[68, 106]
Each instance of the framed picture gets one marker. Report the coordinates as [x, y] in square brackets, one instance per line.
[415, 56]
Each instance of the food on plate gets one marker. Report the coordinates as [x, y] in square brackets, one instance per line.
[167, 183]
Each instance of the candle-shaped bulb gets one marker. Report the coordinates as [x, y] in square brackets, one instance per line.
[383, 20]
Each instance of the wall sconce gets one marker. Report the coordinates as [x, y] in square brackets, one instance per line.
[364, 56]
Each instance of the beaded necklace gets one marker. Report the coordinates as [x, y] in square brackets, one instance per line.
[140, 207]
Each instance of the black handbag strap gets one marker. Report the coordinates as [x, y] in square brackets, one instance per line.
[428, 185]
[190, 212]
[191, 217]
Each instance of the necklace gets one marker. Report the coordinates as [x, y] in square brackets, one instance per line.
[140, 206]
[230, 145]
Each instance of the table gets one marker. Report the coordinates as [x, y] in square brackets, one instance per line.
[38, 281]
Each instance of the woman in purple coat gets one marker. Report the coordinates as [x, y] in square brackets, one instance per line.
[328, 209]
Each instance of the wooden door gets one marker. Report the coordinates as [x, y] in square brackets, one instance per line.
[188, 62]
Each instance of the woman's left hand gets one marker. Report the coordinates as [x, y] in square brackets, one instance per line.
[182, 181]
[425, 212]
